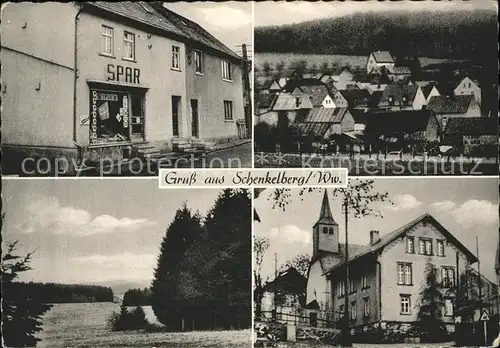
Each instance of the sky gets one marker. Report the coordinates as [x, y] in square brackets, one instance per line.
[230, 21]
[278, 13]
[93, 231]
[467, 207]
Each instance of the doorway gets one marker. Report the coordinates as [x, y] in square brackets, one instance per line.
[176, 102]
[194, 118]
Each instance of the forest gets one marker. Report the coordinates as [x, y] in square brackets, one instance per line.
[203, 275]
[458, 35]
[66, 293]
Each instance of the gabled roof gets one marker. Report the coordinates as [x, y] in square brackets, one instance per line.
[426, 89]
[293, 83]
[400, 70]
[359, 115]
[314, 128]
[383, 57]
[193, 30]
[401, 231]
[398, 92]
[317, 93]
[329, 260]
[286, 101]
[324, 115]
[472, 126]
[450, 104]
[266, 101]
[289, 280]
[401, 121]
[356, 97]
[154, 14]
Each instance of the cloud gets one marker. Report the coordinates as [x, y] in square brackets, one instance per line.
[290, 234]
[443, 206]
[46, 213]
[404, 202]
[476, 212]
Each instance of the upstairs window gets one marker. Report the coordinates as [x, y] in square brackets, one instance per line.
[405, 274]
[330, 230]
[341, 288]
[325, 230]
[447, 277]
[129, 45]
[198, 61]
[226, 70]
[364, 281]
[176, 58]
[352, 286]
[107, 40]
[440, 247]
[425, 246]
[410, 245]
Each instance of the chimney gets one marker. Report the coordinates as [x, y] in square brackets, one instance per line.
[297, 102]
[374, 237]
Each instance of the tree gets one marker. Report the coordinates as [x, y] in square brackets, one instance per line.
[356, 201]
[430, 305]
[184, 230]
[22, 310]
[300, 262]
[313, 69]
[324, 69]
[266, 68]
[298, 68]
[260, 246]
[280, 67]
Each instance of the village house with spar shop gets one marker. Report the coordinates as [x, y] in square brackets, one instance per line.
[114, 80]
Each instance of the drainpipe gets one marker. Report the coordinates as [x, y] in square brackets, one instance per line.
[75, 56]
[379, 268]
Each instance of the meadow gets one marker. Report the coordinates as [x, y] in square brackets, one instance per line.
[318, 59]
[84, 325]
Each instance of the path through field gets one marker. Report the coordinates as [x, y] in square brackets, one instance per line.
[84, 325]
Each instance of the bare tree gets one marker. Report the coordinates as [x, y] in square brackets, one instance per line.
[300, 262]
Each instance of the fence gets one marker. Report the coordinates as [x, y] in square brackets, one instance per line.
[295, 315]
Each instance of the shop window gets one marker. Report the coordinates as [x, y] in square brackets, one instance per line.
[129, 45]
[109, 116]
[107, 40]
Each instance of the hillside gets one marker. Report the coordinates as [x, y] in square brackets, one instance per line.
[461, 34]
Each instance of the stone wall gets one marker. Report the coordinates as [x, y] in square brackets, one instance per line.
[275, 331]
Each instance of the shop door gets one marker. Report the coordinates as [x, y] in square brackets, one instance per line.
[176, 102]
[137, 117]
[194, 118]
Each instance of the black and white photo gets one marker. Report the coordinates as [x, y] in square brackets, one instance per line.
[378, 87]
[420, 267]
[84, 265]
[107, 88]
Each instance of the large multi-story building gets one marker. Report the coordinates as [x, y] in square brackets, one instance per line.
[386, 276]
[112, 78]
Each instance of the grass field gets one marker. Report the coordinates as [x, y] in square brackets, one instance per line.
[84, 325]
[318, 59]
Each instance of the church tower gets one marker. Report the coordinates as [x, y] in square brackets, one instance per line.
[325, 230]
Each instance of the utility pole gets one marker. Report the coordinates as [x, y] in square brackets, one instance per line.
[247, 92]
[275, 276]
[346, 334]
[479, 282]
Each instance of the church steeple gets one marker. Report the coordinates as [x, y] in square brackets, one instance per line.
[325, 215]
[325, 230]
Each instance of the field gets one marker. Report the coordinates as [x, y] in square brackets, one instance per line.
[318, 59]
[84, 325]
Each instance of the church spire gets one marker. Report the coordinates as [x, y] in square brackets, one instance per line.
[325, 215]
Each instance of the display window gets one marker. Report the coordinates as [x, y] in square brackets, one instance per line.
[110, 116]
